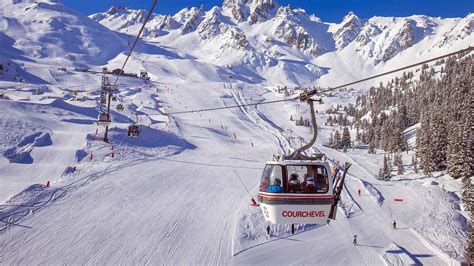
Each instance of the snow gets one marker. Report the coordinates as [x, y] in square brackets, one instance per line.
[167, 187]
[171, 196]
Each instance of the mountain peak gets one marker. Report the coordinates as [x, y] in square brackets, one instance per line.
[253, 11]
[116, 9]
[350, 19]
[350, 14]
[347, 30]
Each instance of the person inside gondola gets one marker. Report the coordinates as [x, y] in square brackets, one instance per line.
[294, 184]
[308, 185]
[264, 184]
[275, 187]
[320, 182]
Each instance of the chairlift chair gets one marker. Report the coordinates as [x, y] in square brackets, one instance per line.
[104, 119]
[298, 188]
[120, 107]
[133, 130]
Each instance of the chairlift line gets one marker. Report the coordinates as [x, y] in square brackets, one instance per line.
[468, 49]
[314, 92]
[104, 117]
[229, 107]
[150, 11]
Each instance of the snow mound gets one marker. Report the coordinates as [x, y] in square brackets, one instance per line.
[379, 198]
[21, 153]
[348, 205]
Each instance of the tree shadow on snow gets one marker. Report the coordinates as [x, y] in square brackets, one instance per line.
[414, 257]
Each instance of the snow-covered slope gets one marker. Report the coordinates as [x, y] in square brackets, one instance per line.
[171, 196]
[48, 32]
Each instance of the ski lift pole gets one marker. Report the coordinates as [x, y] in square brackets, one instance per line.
[105, 87]
[254, 202]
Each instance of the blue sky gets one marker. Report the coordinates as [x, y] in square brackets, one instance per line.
[328, 10]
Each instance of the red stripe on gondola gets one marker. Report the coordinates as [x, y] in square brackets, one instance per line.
[295, 196]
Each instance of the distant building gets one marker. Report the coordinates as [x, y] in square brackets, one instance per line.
[117, 71]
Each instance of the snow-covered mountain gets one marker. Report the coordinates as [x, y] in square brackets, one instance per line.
[252, 41]
[268, 28]
[49, 32]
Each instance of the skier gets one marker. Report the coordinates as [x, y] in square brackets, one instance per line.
[358, 191]
[394, 224]
[355, 240]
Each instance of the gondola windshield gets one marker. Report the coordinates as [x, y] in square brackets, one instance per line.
[294, 179]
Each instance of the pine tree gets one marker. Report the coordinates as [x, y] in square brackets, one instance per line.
[414, 163]
[397, 160]
[468, 200]
[386, 168]
[400, 169]
[423, 142]
[337, 140]
[346, 138]
[331, 141]
[460, 141]
[442, 105]
[371, 148]
[438, 143]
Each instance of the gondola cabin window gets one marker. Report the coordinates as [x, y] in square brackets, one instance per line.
[307, 179]
[272, 179]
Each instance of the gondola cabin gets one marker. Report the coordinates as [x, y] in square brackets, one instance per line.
[296, 191]
[104, 119]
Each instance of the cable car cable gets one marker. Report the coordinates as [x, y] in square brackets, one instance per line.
[150, 11]
[314, 92]
[243, 184]
[393, 71]
[229, 107]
